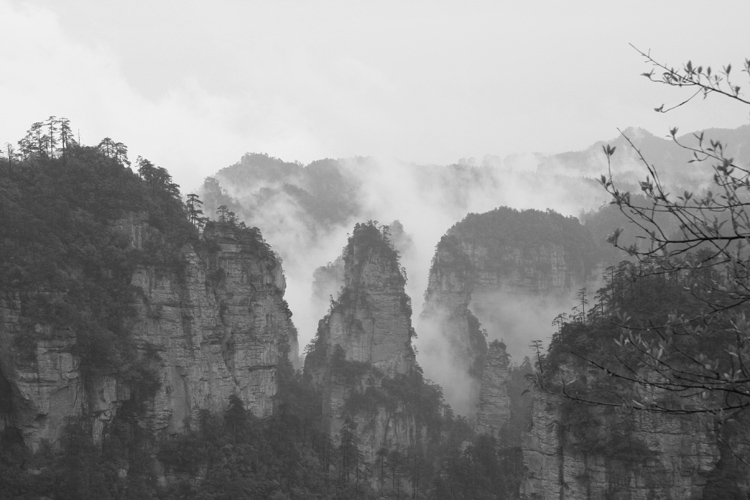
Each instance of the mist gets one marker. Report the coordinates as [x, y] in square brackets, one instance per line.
[306, 214]
[427, 200]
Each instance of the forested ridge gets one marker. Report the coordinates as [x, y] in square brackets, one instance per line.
[63, 257]
[502, 227]
[66, 260]
[61, 254]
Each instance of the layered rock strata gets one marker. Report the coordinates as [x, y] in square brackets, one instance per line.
[328, 280]
[216, 326]
[447, 316]
[363, 343]
[485, 269]
[656, 456]
[494, 401]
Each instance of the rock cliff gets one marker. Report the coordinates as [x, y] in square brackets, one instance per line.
[604, 422]
[493, 275]
[328, 280]
[494, 400]
[214, 325]
[455, 332]
[362, 354]
[605, 454]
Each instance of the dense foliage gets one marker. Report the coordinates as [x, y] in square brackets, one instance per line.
[502, 228]
[445, 458]
[598, 361]
[66, 259]
[236, 456]
[633, 304]
[66, 254]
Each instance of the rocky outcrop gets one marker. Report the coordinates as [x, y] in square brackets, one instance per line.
[637, 455]
[494, 401]
[488, 273]
[328, 280]
[446, 310]
[363, 344]
[327, 283]
[214, 326]
[42, 384]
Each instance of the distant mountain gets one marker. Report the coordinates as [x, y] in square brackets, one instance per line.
[671, 161]
[312, 207]
[333, 192]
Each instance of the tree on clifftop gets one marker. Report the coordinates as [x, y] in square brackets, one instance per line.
[697, 358]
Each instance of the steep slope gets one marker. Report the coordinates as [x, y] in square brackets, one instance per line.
[494, 401]
[597, 433]
[362, 359]
[500, 270]
[111, 304]
[636, 455]
[328, 280]
[220, 329]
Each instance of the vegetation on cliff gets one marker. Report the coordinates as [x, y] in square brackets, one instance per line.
[666, 339]
[77, 222]
[62, 255]
[441, 458]
[678, 318]
[504, 228]
[237, 456]
[597, 362]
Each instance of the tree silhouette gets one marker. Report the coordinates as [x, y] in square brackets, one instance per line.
[115, 150]
[193, 205]
[348, 449]
[682, 310]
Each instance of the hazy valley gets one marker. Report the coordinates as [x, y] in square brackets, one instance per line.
[354, 328]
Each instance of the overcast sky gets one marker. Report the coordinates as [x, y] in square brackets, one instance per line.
[194, 85]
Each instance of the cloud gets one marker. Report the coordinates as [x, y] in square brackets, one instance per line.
[187, 129]
[193, 87]
[427, 200]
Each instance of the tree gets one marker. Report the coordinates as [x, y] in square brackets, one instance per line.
[115, 150]
[222, 211]
[11, 155]
[685, 359]
[158, 178]
[33, 144]
[382, 455]
[52, 138]
[416, 465]
[67, 138]
[396, 465]
[146, 170]
[193, 205]
[348, 450]
[559, 321]
[584, 302]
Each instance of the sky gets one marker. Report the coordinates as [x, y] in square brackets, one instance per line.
[194, 85]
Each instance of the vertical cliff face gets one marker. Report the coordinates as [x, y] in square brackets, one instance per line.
[446, 312]
[375, 328]
[41, 381]
[328, 280]
[491, 275]
[494, 401]
[220, 328]
[639, 455]
[364, 344]
[212, 326]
